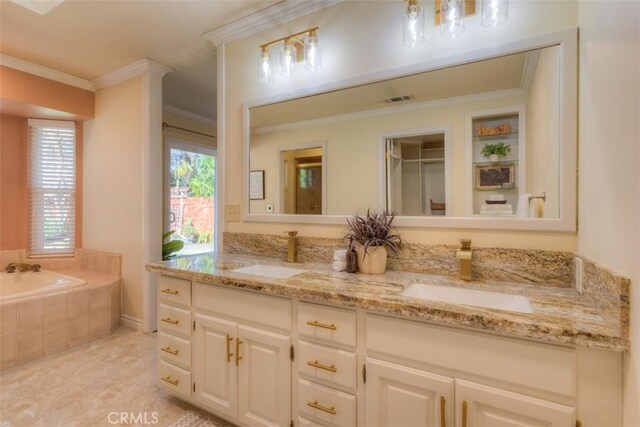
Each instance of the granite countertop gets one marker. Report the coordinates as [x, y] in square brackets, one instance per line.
[560, 315]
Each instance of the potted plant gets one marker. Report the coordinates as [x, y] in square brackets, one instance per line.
[493, 152]
[169, 248]
[372, 232]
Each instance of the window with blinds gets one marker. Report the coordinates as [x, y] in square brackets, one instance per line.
[52, 181]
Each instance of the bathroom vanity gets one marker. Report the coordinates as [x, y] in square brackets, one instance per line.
[282, 344]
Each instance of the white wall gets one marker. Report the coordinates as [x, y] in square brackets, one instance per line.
[113, 184]
[609, 195]
[360, 38]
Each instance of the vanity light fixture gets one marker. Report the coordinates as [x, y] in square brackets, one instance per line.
[293, 49]
[494, 12]
[452, 14]
[413, 24]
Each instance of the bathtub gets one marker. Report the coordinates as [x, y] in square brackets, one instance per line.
[20, 285]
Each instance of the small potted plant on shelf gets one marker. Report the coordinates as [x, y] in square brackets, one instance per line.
[372, 233]
[494, 152]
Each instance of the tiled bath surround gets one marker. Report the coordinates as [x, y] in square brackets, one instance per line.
[36, 326]
[496, 264]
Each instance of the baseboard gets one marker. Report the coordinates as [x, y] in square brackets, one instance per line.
[131, 322]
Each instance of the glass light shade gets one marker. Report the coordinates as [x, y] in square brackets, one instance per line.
[266, 69]
[287, 59]
[451, 16]
[494, 12]
[312, 54]
[413, 25]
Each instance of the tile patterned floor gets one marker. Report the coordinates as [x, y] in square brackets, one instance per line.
[85, 386]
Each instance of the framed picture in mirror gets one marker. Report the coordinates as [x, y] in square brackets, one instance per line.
[491, 177]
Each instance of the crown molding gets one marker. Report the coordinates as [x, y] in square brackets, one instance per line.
[125, 73]
[264, 19]
[529, 69]
[188, 115]
[44, 72]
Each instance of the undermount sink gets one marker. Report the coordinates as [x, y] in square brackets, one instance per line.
[272, 271]
[485, 299]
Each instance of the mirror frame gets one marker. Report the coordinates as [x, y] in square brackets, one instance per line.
[566, 222]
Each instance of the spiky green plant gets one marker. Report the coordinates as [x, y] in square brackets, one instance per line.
[373, 229]
[171, 247]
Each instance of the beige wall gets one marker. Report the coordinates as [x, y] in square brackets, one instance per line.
[375, 45]
[609, 197]
[113, 184]
[543, 133]
[353, 153]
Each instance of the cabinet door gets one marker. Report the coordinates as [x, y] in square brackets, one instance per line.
[400, 396]
[492, 407]
[215, 372]
[264, 378]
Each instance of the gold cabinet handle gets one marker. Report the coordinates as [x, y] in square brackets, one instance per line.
[229, 354]
[319, 365]
[169, 350]
[170, 320]
[316, 405]
[322, 325]
[443, 421]
[238, 358]
[170, 291]
[168, 379]
[464, 413]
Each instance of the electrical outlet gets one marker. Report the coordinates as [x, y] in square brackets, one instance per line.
[232, 213]
[269, 207]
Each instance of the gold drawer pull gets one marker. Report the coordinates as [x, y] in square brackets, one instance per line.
[315, 405]
[238, 358]
[443, 422]
[464, 413]
[168, 379]
[170, 291]
[319, 365]
[322, 325]
[170, 350]
[229, 354]
[170, 320]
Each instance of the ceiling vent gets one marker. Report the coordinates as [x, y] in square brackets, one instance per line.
[396, 99]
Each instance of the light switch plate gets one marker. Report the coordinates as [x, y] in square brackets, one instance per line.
[232, 213]
[269, 207]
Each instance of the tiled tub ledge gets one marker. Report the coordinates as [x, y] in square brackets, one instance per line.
[42, 324]
[560, 314]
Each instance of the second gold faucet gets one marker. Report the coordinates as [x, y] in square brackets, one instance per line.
[292, 246]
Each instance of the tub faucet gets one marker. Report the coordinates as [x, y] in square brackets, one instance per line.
[465, 255]
[292, 246]
[22, 267]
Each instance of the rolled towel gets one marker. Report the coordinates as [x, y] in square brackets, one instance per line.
[339, 266]
[340, 255]
[523, 205]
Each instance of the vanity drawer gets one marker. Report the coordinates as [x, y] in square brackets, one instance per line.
[326, 404]
[173, 378]
[335, 325]
[175, 350]
[174, 320]
[551, 368]
[249, 306]
[308, 423]
[329, 364]
[175, 291]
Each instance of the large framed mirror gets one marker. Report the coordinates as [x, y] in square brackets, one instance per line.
[487, 139]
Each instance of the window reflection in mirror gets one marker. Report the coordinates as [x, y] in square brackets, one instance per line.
[374, 157]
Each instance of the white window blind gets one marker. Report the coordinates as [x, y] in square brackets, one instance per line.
[52, 179]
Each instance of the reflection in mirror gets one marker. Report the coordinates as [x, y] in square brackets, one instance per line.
[479, 139]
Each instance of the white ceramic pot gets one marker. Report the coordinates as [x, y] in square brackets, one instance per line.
[375, 261]
[494, 158]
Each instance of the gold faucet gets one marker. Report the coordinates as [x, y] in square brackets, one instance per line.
[292, 246]
[22, 267]
[465, 255]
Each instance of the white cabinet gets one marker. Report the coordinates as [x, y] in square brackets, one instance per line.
[264, 377]
[215, 370]
[242, 372]
[483, 406]
[397, 395]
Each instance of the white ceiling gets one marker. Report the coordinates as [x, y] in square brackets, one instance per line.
[90, 38]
